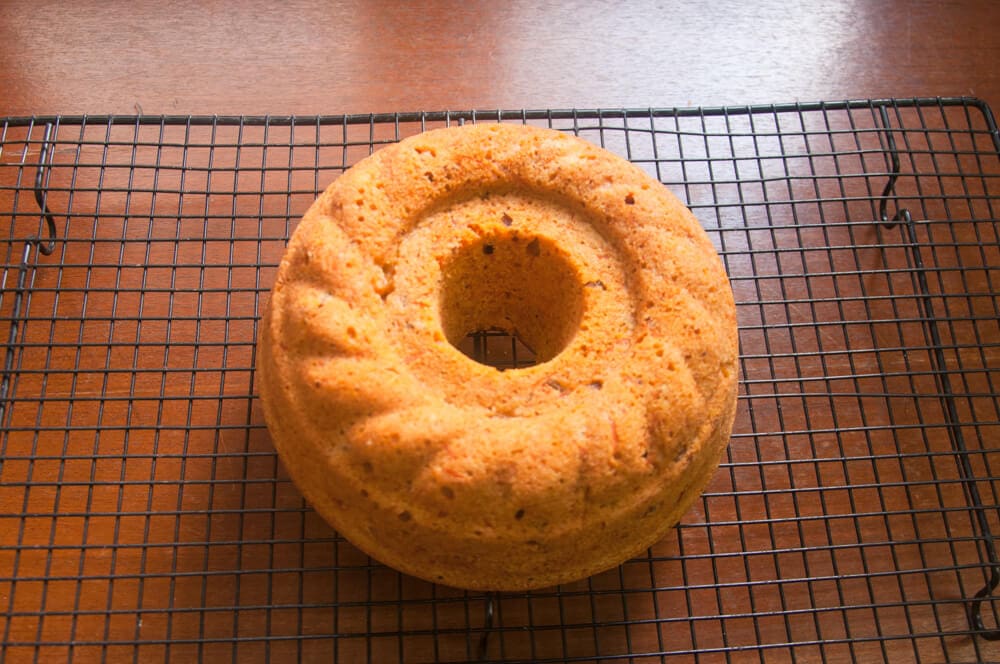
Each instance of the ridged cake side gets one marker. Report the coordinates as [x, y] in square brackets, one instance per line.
[456, 472]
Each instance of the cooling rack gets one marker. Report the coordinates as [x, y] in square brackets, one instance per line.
[144, 515]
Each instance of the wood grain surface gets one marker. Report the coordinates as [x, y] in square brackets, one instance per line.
[153, 521]
[358, 57]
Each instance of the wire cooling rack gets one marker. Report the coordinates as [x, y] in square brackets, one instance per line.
[144, 515]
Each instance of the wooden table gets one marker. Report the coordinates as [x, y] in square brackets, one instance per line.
[382, 56]
[143, 513]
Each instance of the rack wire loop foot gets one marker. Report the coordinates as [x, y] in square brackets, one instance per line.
[489, 612]
[45, 245]
[975, 609]
[890, 185]
[23, 271]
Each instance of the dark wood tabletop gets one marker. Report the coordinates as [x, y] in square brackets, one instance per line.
[262, 57]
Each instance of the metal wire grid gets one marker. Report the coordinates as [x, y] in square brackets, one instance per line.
[144, 515]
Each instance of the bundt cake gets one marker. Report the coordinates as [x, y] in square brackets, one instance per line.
[455, 471]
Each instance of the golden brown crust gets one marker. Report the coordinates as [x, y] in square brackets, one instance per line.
[451, 470]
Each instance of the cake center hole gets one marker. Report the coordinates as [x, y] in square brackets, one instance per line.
[511, 301]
